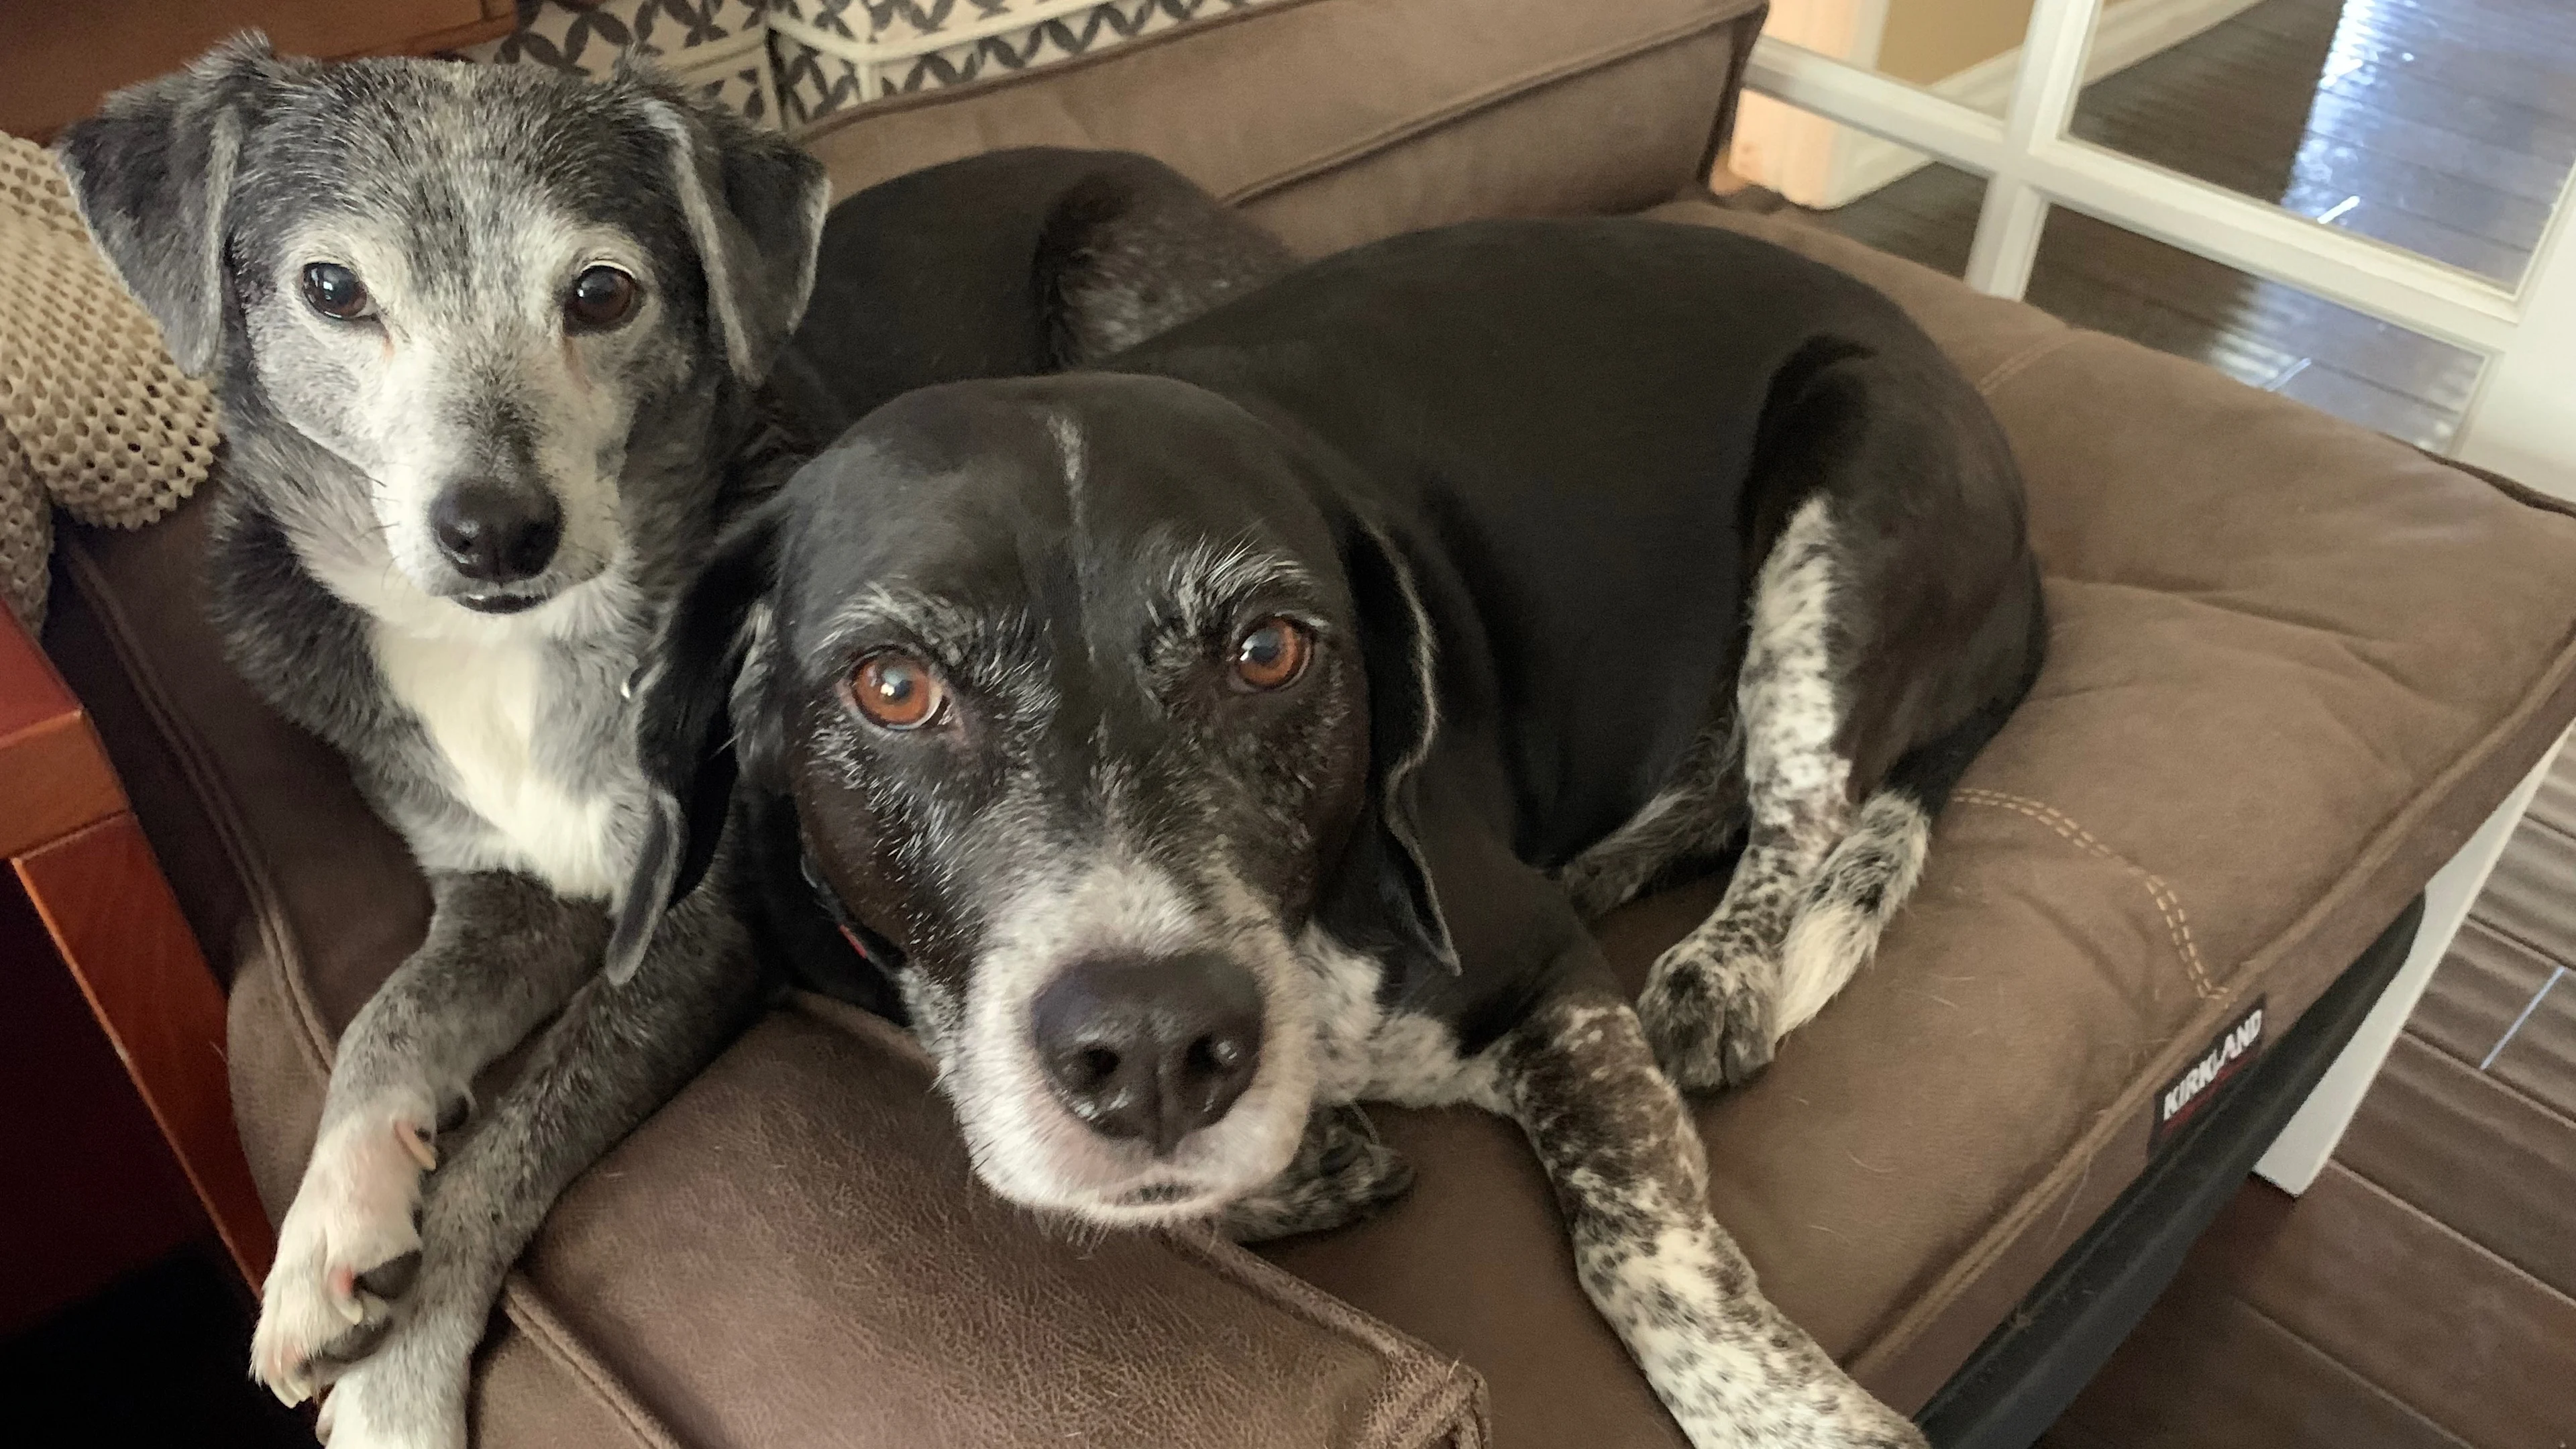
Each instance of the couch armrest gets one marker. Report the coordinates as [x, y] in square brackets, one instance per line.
[794, 1252]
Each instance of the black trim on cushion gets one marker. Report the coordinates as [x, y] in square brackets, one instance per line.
[2027, 1371]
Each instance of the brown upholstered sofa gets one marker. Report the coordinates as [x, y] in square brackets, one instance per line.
[2293, 666]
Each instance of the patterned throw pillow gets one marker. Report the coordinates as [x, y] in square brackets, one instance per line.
[835, 54]
[721, 47]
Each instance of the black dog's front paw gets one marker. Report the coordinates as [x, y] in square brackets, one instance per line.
[1709, 1019]
[1341, 1174]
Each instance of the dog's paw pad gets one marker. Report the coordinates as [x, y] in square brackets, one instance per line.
[1708, 1021]
[303, 1340]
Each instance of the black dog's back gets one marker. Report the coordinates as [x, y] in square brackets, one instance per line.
[1605, 426]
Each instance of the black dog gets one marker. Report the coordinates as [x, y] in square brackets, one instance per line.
[1249, 728]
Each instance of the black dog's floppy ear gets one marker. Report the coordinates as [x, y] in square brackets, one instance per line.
[708, 654]
[152, 174]
[1404, 719]
[754, 204]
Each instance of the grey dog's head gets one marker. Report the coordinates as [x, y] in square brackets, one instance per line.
[481, 318]
[1092, 701]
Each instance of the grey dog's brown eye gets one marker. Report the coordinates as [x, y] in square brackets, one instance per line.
[897, 691]
[334, 291]
[1272, 654]
[601, 297]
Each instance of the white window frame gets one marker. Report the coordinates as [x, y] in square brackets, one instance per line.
[2521, 417]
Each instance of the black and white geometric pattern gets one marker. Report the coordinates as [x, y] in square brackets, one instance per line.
[720, 47]
[798, 61]
[834, 54]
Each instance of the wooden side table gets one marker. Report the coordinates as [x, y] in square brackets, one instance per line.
[69, 833]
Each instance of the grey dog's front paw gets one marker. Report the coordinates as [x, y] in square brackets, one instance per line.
[1341, 1173]
[348, 1247]
[1708, 1018]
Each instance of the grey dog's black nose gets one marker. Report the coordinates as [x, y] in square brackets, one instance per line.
[496, 532]
[1152, 1048]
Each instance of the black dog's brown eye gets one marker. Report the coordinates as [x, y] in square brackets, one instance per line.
[601, 297]
[1272, 654]
[896, 690]
[334, 291]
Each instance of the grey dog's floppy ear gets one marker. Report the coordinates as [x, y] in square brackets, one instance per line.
[754, 204]
[152, 173]
[1404, 719]
[709, 653]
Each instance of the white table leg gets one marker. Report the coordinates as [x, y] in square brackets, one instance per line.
[2300, 1152]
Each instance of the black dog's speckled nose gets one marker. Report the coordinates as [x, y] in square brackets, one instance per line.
[495, 532]
[1151, 1048]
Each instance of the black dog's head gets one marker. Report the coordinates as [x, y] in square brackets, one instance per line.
[474, 317]
[1093, 700]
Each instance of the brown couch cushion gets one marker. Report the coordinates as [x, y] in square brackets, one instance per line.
[808, 1200]
[1334, 121]
[2293, 665]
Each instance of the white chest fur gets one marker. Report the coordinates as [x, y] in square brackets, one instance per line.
[1364, 1052]
[482, 703]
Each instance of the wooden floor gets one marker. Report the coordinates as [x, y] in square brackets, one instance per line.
[2423, 1292]
[2445, 126]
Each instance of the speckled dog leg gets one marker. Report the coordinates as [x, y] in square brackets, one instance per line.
[1631, 1179]
[1710, 1003]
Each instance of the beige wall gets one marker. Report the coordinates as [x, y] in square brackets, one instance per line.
[1932, 40]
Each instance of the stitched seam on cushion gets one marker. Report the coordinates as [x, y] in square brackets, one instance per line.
[2177, 921]
[2513, 488]
[2015, 365]
[1496, 94]
[196, 766]
[1399, 1355]
[554, 1338]
[2375, 853]
[1449, 1404]
[1382, 1339]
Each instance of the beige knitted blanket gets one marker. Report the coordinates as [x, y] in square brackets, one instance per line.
[94, 416]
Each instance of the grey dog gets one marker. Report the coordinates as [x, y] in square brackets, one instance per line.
[490, 345]
[1250, 726]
